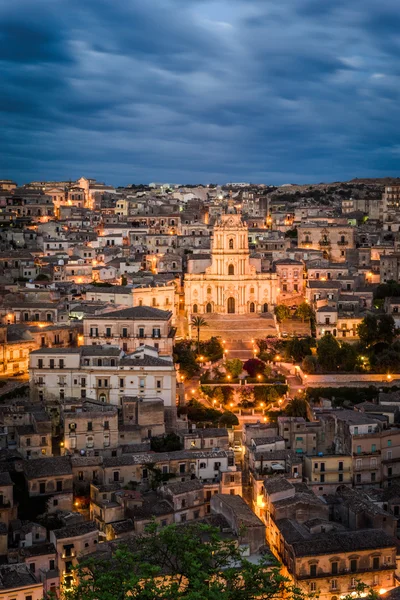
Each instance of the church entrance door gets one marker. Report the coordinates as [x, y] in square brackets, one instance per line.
[231, 305]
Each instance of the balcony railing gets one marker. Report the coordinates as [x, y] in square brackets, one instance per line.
[324, 243]
[343, 243]
[112, 480]
[347, 572]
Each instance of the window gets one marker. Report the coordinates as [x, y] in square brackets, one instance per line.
[313, 586]
[375, 562]
[313, 570]
[90, 426]
[144, 474]
[334, 568]
[389, 442]
[353, 565]
[358, 449]
[231, 270]
[340, 466]
[116, 475]
[358, 478]
[340, 477]
[59, 486]
[334, 584]
[373, 448]
[231, 244]
[182, 468]
[322, 467]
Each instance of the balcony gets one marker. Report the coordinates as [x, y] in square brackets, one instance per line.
[343, 243]
[347, 572]
[324, 243]
[112, 480]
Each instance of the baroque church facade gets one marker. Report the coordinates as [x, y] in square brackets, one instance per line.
[232, 281]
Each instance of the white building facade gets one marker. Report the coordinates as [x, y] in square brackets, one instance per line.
[233, 282]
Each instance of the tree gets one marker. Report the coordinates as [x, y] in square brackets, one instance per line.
[254, 367]
[166, 443]
[374, 329]
[297, 407]
[328, 352]
[234, 366]
[124, 280]
[229, 419]
[282, 312]
[310, 364]
[299, 348]
[184, 355]
[198, 323]
[304, 311]
[368, 330]
[386, 328]
[348, 356]
[174, 563]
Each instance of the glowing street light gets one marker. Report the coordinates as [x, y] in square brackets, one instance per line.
[193, 391]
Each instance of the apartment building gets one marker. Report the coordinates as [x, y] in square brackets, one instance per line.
[72, 542]
[89, 429]
[130, 328]
[325, 473]
[102, 373]
[334, 240]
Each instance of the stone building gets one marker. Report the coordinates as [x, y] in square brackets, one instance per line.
[233, 281]
[334, 240]
[130, 328]
[102, 373]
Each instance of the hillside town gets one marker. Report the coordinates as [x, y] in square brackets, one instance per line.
[218, 354]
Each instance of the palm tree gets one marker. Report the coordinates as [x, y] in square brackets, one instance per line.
[198, 323]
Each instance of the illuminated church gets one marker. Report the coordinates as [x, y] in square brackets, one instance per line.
[229, 281]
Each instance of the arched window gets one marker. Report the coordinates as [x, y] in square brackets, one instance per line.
[209, 307]
[231, 244]
[195, 308]
[231, 270]
[154, 301]
[252, 307]
[208, 290]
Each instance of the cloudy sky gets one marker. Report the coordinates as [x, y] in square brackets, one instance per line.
[272, 91]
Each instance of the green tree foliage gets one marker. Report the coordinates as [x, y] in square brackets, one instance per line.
[304, 311]
[184, 355]
[282, 312]
[198, 323]
[234, 367]
[328, 352]
[166, 443]
[297, 407]
[175, 563]
[310, 364]
[374, 329]
[299, 348]
[211, 349]
[254, 367]
[291, 233]
[229, 419]
[386, 290]
[348, 357]
[198, 413]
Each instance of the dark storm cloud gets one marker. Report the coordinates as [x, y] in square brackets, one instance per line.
[126, 90]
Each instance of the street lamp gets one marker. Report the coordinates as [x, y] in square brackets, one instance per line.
[193, 391]
[258, 377]
[228, 376]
